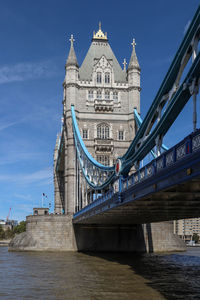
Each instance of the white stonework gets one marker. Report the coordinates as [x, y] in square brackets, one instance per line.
[104, 96]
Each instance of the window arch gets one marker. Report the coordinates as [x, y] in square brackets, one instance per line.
[90, 95]
[103, 131]
[99, 95]
[98, 77]
[107, 77]
[115, 96]
[107, 95]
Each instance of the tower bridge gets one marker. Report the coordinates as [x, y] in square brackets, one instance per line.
[104, 198]
[98, 175]
[104, 140]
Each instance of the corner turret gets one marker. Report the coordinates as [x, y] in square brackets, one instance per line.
[133, 75]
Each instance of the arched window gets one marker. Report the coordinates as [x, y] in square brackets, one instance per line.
[98, 77]
[85, 134]
[121, 135]
[115, 96]
[103, 132]
[90, 95]
[107, 77]
[107, 95]
[98, 94]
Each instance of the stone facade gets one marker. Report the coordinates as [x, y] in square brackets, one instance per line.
[104, 96]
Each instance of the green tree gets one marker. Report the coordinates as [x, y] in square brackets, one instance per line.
[21, 227]
[195, 237]
[9, 233]
[2, 233]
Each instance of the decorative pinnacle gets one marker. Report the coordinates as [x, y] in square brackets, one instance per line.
[133, 43]
[72, 60]
[100, 35]
[124, 63]
[72, 40]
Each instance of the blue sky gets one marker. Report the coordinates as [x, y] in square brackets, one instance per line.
[34, 39]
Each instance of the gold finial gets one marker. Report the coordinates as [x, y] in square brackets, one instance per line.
[133, 43]
[124, 63]
[72, 40]
[100, 35]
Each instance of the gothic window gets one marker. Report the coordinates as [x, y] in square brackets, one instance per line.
[98, 77]
[85, 133]
[98, 94]
[90, 95]
[107, 77]
[121, 135]
[107, 95]
[103, 131]
[115, 95]
[103, 159]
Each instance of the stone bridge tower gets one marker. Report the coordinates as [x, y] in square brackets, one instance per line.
[104, 96]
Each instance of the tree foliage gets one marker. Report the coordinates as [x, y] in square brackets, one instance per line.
[10, 233]
[2, 233]
[195, 237]
[21, 227]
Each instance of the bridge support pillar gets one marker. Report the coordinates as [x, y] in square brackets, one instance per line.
[57, 233]
[159, 237]
[155, 237]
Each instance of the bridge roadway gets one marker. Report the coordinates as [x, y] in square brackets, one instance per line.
[166, 189]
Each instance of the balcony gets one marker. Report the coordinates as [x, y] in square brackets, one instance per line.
[103, 145]
[101, 105]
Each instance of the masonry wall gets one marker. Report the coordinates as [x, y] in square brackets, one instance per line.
[57, 233]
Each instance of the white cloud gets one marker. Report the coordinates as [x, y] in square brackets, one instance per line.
[7, 124]
[41, 177]
[16, 156]
[23, 197]
[186, 26]
[27, 71]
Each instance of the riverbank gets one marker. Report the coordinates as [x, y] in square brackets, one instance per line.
[4, 242]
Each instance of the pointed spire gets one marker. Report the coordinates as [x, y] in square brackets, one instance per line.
[72, 60]
[124, 63]
[133, 64]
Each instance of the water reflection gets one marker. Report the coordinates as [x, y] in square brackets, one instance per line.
[99, 276]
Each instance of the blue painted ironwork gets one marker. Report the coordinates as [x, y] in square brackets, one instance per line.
[159, 168]
[169, 93]
[97, 175]
[173, 109]
[139, 121]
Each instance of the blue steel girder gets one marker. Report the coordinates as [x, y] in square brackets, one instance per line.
[139, 121]
[173, 109]
[174, 172]
[169, 85]
[97, 175]
[169, 93]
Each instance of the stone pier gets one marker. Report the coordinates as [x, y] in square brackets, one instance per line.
[57, 233]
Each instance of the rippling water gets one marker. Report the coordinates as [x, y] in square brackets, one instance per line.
[99, 276]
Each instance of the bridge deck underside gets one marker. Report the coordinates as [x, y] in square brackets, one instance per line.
[170, 194]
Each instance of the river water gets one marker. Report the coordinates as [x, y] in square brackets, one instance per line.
[31, 275]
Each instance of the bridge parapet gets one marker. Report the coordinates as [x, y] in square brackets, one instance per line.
[152, 181]
[184, 148]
